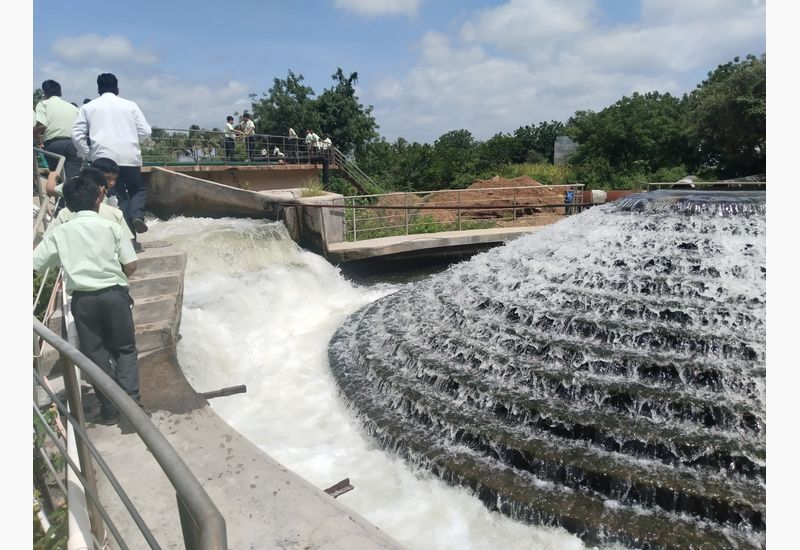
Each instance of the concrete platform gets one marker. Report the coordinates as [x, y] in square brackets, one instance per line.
[264, 504]
[404, 247]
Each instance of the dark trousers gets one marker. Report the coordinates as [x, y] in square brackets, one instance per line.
[131, 193]
[104, 322]
[251, 146]
[72, 162]
[229, 147]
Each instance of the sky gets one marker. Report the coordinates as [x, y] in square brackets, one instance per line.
[426, 66]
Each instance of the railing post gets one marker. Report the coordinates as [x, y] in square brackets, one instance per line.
[406, 212]
[458, 199]
[354, 220]
[514, 222]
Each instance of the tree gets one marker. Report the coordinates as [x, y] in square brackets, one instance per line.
[727, 121]
[38, 95]
[536, 143]
[288, 104]
[341, 117]
[637, 134]
[454, 160]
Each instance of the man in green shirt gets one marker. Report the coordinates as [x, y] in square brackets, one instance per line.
[97, 261]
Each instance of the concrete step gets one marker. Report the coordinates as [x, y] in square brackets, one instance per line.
[158, 257]
[151, 337]
[156, 284]
[156, 308]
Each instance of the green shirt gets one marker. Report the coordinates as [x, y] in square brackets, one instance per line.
[57, 116]
[90, 249]
[107, 212]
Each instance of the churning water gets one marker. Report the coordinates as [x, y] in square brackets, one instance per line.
[260, 311]
[606, 374]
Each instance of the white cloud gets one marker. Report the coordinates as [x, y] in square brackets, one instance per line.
[167, 100]
[96, 48]
[527, 61]
[374, 8]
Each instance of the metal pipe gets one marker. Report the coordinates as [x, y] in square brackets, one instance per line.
[205, 513]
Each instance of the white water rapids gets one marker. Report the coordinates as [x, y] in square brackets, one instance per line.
[258, 310]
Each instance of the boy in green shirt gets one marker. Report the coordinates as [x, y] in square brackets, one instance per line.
[97, 260]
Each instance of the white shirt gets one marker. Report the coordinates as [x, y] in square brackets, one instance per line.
[57, 116]
[249, 128]
[229, 133]
[115, 125]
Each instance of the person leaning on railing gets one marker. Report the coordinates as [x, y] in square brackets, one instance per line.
[96, 260]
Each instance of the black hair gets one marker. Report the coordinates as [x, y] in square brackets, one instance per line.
[96, 175]
[86, 100]
[51, 88]
[73, 103]
[107, 82]
[106, 165]
[80, 193]
[246, 115]
[230, 118]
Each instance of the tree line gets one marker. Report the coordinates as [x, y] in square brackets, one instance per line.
[717, 131]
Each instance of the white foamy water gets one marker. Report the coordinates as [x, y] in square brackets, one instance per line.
[259, 311]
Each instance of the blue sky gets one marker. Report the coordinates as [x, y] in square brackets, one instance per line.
[426, 66]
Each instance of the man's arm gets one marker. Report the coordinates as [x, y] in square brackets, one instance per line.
[45, 254]
[142, 127]
[80, 134]
[129, 268]
[52, 183]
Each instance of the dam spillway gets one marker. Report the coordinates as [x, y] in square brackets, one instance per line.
[606, 374]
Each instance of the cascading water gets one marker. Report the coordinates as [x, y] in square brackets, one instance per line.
[260, 311]
[605, 374]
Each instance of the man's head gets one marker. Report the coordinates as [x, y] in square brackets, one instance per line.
[107, 82]
[51, 88]
[246, 116]
[82, 193]
[109, 168]
[229, 119]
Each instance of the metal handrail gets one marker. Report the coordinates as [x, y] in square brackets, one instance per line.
[207, 147]
[206, 528]
[388, 225]
[44, 200]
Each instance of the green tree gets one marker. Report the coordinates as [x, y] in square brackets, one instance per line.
[637, 134]
[454, 160]
[288, 104]
[38, 95]
[536, 143]
[341, 117]
[727, 121]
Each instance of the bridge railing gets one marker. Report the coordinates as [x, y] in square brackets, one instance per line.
[180, 147]
[393, 214]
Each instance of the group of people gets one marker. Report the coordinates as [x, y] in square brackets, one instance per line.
[92, 240]
[314, 145]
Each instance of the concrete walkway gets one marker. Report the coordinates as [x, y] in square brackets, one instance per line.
[264, 504]
[426, 244]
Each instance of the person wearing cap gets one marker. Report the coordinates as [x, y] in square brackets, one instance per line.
[117, 127]
[52, 128]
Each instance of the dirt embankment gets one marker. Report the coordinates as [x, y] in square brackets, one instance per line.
[497, 194]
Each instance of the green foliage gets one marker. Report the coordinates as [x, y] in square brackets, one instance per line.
[41, 307]
[727, 118]
[536, 143]
[38, 95]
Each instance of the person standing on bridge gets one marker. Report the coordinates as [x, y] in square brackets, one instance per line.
[116, 127]
[249, 136]
[230, 136]
[97, 261]
[53, 128]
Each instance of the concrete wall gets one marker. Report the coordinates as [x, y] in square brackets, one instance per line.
[315, 228]
[254, 178]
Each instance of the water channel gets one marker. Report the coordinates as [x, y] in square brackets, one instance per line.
[258, 310]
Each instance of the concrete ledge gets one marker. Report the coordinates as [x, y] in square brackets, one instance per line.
[423, 243]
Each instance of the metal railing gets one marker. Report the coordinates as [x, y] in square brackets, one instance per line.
[731, 185]
[392, 214]
[202, 524]
[179, 147]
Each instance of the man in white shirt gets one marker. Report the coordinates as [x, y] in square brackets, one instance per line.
[249, 135]
[52, 128]
[116, 127]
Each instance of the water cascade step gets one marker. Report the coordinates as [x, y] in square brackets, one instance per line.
[606, 374]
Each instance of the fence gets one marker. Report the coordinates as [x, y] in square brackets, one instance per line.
[176, 147]
[392, 214]
[64, 455]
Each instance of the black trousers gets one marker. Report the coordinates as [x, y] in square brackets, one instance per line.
[229, 147]
[251, 146]
[72, 162]
[104, 322]
[131, 193]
